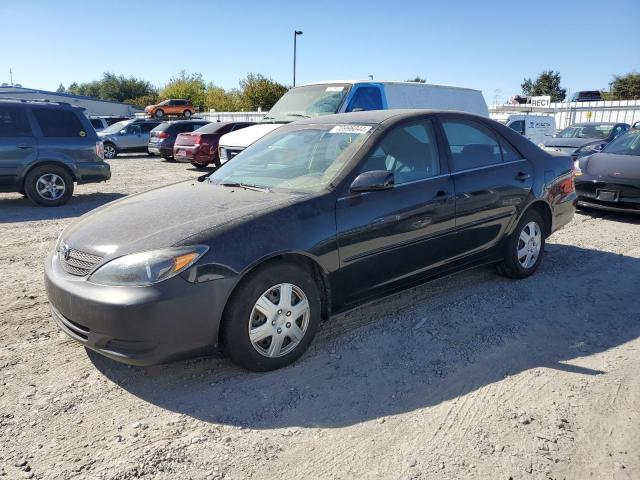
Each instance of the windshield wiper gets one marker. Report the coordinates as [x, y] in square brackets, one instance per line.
[298, 115]
[248, 186]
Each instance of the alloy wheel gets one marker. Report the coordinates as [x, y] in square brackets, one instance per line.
[50, 186]
[529, 245]
[279, 320]
[109, 151]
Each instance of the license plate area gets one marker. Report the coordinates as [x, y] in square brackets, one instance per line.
[607, 195]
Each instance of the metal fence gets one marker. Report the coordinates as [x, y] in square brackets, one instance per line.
[565, 114]
[232, 116]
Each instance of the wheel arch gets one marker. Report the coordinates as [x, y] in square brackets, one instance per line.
[41, 163]
[544, 210]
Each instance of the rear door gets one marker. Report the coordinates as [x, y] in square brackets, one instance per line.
[18, 145]
[63, 135]
[387, 236]
[491, 178]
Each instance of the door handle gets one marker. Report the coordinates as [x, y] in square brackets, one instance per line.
[522, 176]
[440, 194]
[24, 146]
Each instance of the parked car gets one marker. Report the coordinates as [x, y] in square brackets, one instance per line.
[200, 147]
[317, 99]
[582, 139]
[182, 108]
[610, 179]
[127, 136]
[100, 123]
[44, 148]
[311, 220]
[536, 128]
[162, 137]
[587, 96]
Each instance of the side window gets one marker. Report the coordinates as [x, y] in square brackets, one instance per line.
[96, 122]
[366, 98]
[134, 129]
[471, 144]
[238, 126]
[518, 126]
[14, 123]
[409, 151]
[509, 153]
[58, 123]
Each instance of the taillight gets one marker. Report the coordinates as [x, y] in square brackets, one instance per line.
[196, 141]
[100, 150]
[162, 135]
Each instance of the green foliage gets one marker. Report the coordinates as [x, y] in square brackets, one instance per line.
[186, 86]
[113, 87]
[221, 100]
[144, 100]
[61, 89]
[260, 91]
[417, 80]
[625, 87]
[547, 83]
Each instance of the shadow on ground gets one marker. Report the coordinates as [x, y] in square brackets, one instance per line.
[21, 209]
[416, 349]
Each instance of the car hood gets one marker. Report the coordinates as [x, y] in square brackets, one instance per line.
[167, 216]
[602, 165]
[246, 136]
[571, 142]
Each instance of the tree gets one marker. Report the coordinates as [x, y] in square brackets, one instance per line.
[547, 83]
[186, 86]
[625, 87]
[113, 87]
[221, 100]
[61, 89]
[417, 80]
[143, 100]
[259, 91]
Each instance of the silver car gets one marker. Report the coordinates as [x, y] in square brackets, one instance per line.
[127, 136]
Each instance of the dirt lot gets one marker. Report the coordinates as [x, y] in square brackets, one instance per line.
[472, 376]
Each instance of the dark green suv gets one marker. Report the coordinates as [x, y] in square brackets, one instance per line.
[45, 147]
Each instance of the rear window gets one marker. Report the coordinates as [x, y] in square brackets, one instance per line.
[14, 123]
[162, 127]
[214, 127]
[58, 123]
[96, 122]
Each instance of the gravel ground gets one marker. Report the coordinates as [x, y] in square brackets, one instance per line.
[471, 376]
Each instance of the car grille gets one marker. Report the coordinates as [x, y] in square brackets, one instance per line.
[76, 262]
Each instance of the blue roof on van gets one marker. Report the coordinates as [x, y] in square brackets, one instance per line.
[10, 90]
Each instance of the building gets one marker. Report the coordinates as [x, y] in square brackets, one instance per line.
[92, 106]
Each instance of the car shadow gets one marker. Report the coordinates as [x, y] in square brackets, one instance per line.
[415, 349]
[21, 209]
[631, 218]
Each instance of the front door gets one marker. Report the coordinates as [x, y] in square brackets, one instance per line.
[386, 237]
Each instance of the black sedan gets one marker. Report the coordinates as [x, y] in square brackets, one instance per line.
[313, 219]
[610, 180]
[582, 139]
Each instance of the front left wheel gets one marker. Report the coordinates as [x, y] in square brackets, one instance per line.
[272, 317]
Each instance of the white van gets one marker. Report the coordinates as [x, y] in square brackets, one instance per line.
[327, 98]
[536, 128]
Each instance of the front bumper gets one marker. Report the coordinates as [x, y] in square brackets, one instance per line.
[590, 189]
[138, 325]
[90, 172]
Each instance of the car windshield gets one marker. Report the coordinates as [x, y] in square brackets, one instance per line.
[595, 130]
[116, 127]
[304, 158]
[307, 101]
[627, 144]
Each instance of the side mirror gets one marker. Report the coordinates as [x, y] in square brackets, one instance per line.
[373, 181]
[122, 132]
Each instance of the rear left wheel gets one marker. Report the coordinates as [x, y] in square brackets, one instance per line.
[272, 318]
[49, 185]
[186, 114]
[525, 247]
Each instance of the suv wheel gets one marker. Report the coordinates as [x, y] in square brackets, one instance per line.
[272, 317]
[110, 151]
[186, 114]
[525, 247]
[159, 113]
[49, 185]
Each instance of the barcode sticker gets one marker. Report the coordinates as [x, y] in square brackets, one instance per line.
[334, 89]
[350, 129]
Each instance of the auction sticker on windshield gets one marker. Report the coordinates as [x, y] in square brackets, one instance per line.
[350, 129]
[334, 89]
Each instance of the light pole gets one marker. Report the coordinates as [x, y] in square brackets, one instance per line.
[295, 37]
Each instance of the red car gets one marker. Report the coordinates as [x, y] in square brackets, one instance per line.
[200, 147]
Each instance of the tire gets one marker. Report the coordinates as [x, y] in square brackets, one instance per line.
[197, 165]
[110, 151]
[242, 313]
[531, 250]
[49, 185]
[159, 113]
[167, 159]
[187, 114]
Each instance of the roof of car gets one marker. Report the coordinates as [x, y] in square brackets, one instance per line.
[375, 117]
[586, 124]
[40, 102]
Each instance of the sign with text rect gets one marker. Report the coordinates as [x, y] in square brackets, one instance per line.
[542, 101]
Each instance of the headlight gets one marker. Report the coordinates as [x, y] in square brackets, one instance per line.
[589, 149]
[147, 268]
[576, 168]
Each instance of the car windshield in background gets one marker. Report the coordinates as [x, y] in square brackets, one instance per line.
[586, 131]
[116, 127]
[308, 101]
[302, 158]
[627, 144]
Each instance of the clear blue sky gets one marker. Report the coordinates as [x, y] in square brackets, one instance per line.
[489, 45]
